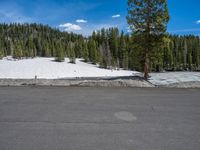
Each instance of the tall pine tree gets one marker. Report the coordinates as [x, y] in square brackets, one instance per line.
[148, 19]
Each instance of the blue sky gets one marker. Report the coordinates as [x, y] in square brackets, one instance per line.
[84, 16]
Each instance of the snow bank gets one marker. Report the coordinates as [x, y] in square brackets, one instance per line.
[173, 79]
[47, 68]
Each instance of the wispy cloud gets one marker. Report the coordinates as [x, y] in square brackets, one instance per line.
[198, 22]
[70, 27]
[8, 15]
[81, 21]
[116, 16]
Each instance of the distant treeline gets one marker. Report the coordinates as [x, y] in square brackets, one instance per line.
[107, 47]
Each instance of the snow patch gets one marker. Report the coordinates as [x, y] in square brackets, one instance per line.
[168, 78]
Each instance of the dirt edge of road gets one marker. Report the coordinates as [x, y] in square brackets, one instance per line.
[78, 82]
[118, 82]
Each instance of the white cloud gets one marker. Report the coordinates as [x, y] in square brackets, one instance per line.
[198, 22]
[116, 16]
[89, 28]
[81, 21]
[70, 27]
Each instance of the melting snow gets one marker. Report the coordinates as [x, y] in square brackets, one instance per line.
[174, 77]
[47, 68]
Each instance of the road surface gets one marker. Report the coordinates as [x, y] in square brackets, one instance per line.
[74, 118]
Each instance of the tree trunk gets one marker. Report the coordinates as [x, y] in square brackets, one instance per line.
[146, 67]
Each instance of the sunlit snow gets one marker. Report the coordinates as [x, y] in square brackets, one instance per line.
[47, 68]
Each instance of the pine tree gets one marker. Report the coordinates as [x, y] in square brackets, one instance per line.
[31, 48]
[71, 53]
[1, 49]
[60, 53]
[190, 61]
[198, 56]
[150, 26]
[123, 52]
[78, 49]
[17, 52]
[108, 56]
[114, 43]
[85, 52]
[185, 54]
[125, 60]
[1, 53]
[103, 62]
[92, 51]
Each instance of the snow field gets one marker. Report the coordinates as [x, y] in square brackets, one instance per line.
[47, 68]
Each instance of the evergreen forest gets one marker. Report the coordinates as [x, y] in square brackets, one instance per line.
[109, 48]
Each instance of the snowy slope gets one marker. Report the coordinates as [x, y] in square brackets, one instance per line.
[167, 78]
[47, 68]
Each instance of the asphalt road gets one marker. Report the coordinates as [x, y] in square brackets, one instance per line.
[63, 118]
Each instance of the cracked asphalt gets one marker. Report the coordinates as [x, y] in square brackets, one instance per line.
[78, 118]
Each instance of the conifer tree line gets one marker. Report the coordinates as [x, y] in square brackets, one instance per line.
[109, 48]
[31, 40]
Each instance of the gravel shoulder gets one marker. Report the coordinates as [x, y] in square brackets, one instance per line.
[83, 82]
[118, 82]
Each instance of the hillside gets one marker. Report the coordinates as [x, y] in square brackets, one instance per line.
[107, 47]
